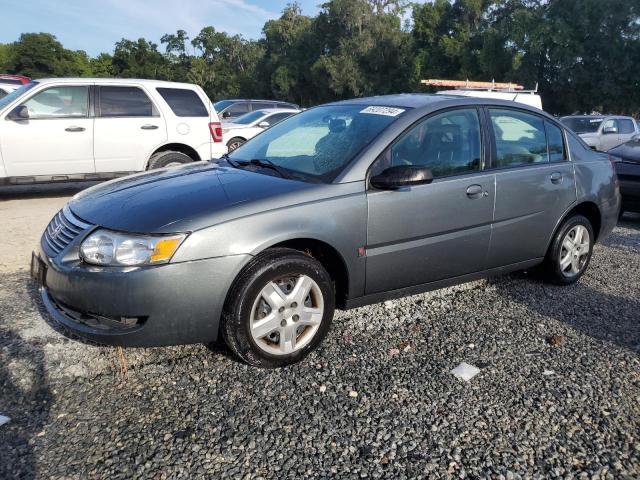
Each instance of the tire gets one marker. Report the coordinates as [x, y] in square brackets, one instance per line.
[167, 158]
[256, 331]
[234, 143]
[563, 248]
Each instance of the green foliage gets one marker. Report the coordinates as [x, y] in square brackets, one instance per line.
[582, 53]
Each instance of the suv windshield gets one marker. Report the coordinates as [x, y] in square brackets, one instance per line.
[583, 124]
[4, 101]
[222, 104]
[319, 143]
[248, 118]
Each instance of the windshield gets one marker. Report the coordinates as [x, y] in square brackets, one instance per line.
[319, 143]
[222, 104]
[249, 118]
[583, 124]
[4, 101]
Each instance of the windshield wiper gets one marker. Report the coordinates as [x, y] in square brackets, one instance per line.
[228, 159]
[264, 163]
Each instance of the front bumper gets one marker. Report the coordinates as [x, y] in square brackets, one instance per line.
[138, 307]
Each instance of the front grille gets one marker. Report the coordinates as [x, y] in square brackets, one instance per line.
[62, 230]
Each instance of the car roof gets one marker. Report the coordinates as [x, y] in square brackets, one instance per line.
[277, 110]
[432, 101]
[115, 81]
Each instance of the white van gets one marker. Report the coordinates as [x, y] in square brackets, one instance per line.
[64, 129]
[528, 98]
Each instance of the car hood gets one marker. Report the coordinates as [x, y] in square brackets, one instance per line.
[182, 199]
[629, 151]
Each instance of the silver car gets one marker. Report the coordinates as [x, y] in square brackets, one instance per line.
[602, 132]
[342, 205]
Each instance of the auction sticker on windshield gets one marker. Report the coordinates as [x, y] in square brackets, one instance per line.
[388, 111]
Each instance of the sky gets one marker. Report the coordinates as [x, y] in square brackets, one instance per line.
[95, 26]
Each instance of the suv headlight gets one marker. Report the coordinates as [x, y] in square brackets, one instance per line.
[104, 247]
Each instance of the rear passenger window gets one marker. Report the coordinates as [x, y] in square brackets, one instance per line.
[183, 102]
[520, 138]
[260, 106]
[626, 126]
[238, 109]
[555, 140]
[124, 102]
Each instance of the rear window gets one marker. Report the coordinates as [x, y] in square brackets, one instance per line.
[124, 102]
[183, 102]
[626, 125]
[582, 124]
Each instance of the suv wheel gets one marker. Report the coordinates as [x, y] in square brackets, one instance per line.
[168, 159]
[279, 308]
[570, 251]
[235, 143]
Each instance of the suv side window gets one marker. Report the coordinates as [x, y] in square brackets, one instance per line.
[58, 102]
[183, 102]
[555, 139]
[520, 138]
[260, 106]
[625, 125]
[238, 109]
[448, 144]
[124, 102]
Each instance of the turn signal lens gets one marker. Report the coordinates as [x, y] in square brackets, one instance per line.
[165, 249]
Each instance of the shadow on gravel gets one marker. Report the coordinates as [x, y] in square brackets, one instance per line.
[25, 397]
[600, 315]
[51, 190]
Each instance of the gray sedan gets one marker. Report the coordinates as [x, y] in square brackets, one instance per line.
[342, 205]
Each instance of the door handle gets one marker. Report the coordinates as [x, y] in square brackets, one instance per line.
[475, 191]
[149, 127]
[556, 177]
[74, 129]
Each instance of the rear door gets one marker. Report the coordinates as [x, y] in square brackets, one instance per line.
[535, 184]
[128, 128]
[426, 233]
[189, 118]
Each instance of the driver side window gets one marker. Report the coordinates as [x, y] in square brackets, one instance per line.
[448, 144]
[59, 102]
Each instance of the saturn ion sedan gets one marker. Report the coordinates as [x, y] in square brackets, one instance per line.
[342, 205]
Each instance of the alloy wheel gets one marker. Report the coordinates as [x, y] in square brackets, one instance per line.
[286, 314]
[574, 252]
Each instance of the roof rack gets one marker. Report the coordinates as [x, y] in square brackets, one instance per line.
[491, 86]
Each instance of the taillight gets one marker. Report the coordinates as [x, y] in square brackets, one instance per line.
[216, 131]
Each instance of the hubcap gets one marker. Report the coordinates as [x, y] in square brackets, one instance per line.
[287, 314]
[234, 145]
[575, 251]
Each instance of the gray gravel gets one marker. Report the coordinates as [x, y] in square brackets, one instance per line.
[535, 410]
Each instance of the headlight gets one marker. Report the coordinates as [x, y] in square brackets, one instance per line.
[104, 247]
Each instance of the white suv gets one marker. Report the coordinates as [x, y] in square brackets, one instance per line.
[63, 129]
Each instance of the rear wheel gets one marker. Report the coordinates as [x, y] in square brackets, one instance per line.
[279, 309]
[168, 159]
[570, 252]
[235, 143]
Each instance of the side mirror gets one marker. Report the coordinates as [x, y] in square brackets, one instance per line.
[402, 176]
[21, 112]
[610, 130]
[226, 114]
[264, 124]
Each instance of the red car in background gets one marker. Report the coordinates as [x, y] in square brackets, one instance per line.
[9, 83]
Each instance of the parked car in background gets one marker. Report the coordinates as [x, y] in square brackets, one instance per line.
[63, 129]
[231, 109]
[626, 158]
[9, 83]
[251, 124]
[602, 132]
[343, 205]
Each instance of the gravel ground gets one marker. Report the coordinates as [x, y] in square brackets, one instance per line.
[376, 400]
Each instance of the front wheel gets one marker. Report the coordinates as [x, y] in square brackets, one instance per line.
[279, 309]
[570, 251]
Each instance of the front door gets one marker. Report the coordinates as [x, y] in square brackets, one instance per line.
[128, 128]
[535, 185]
[426, 233]
[56, 139]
